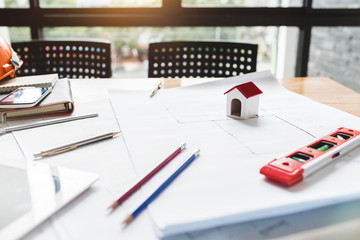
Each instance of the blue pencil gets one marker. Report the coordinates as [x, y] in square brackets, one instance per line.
[134, 214]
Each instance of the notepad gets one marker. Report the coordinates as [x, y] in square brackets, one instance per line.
[46, 80]
[58, 102]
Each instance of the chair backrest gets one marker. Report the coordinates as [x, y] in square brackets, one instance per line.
[201, 59]
[68, 58]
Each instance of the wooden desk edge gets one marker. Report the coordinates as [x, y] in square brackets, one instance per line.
[326, 91]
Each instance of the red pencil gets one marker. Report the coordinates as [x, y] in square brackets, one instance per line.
[147, 177]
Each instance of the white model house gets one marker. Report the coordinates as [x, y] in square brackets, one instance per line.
[243, 101]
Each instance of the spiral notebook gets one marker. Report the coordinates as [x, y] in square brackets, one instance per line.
[45, 80]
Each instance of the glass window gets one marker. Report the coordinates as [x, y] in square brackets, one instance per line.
[99, 3]
[335, 53]
[130, 44]
[336, 4]
[14, 4]
[242, 3]
[288, 39]
[19, 34]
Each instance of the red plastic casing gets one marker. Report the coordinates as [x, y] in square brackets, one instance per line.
[289, 171]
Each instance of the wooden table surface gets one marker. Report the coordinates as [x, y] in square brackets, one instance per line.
[327, 91]
[320, 89]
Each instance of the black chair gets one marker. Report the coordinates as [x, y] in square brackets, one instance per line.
[68, 58]
[201, 59]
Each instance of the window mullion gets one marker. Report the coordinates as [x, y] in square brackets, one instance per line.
[36, 29]
[171, 4]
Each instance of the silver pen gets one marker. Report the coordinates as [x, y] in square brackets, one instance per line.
[74, 145]
[156, 88]
[46, 122]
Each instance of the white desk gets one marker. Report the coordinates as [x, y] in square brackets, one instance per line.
[87, 218]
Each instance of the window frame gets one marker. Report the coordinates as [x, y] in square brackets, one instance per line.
[172, 14]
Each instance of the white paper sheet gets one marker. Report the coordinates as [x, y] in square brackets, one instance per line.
[223, 185]
[88, 217]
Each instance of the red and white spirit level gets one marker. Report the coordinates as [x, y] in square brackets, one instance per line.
[294, 167]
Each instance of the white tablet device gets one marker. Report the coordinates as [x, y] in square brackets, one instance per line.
[33, 191]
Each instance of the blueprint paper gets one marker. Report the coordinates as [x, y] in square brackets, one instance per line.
[223, 184]
[108, 158]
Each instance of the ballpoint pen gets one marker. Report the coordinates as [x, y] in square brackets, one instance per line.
[74, 145]
[155, 89]
[147, 177]
[137, 211]
[4, 130]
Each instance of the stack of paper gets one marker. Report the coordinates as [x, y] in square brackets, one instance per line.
[224, 185]
[45, 80]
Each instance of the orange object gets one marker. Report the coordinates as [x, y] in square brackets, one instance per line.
[9, 60]
[294, 167]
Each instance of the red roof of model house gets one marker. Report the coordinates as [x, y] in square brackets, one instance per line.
[248, 89]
